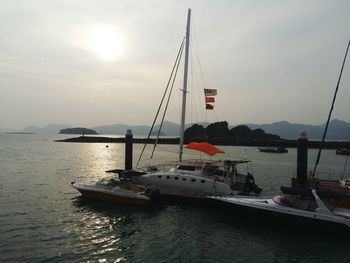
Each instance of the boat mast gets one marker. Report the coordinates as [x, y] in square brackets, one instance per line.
[184, 90]
[330, 112]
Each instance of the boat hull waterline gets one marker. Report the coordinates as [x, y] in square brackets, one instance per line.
[115, 195]
[271, 211]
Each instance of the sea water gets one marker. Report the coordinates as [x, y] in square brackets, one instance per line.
[43, 219]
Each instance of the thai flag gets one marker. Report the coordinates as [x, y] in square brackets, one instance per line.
[210, 92]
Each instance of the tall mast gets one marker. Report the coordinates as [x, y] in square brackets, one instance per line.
[184, 90]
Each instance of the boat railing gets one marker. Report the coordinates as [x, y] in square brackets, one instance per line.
[330, 176]
[168, 165]
[325, 176]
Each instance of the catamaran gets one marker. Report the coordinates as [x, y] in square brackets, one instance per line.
[197, 178]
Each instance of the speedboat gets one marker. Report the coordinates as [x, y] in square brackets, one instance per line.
[296, 210]
[117, 191]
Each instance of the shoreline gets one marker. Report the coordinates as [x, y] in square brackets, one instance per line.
[312, 144]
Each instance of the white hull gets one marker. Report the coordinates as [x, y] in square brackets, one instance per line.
[339, 216]
[191, 186]
[114, 194]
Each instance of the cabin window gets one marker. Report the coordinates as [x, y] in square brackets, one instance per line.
[184, 179]
[203, 181]
[168, 177]
[186, 167]
[193, 180]
[176, 178]
[159, 176]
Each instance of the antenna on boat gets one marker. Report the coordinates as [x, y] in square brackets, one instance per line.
[184, 90]
[330, 112]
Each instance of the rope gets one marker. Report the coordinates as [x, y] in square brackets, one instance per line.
[330, 112]
[167, 103]
[346, 163]
[161, 102]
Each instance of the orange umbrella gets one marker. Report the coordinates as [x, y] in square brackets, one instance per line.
[204, 147]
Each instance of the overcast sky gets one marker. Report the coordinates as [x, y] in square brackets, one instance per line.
[88, 63]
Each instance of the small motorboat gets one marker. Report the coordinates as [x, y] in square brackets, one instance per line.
[273, 149]
[118, 191]
[303, 211]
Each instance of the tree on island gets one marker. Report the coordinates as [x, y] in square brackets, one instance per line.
[78, 130]
[220, 131]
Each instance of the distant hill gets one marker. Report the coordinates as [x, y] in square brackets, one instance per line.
[168, 128]
[77, 130]
[51, 128]
[337, 130]
[121, 129]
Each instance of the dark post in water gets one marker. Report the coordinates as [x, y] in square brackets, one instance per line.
[302, 159]
[128, 150]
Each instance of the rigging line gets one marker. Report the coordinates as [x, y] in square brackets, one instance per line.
[167, 103]
[195, 48]
[167, 150]
[330, 112]
[200, 103]
[194, 94]
[161, 103]
[204, 112]
[346, 163]
[197, 91]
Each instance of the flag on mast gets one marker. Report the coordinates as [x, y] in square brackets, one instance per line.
[209, 99]
[210, 92]
[209, 106]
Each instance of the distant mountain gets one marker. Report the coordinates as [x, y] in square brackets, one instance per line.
[168, 128]
[51, 128]
[337, 130]
[121, 129]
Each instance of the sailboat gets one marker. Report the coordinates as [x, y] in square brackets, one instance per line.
[307, 206]
[197, 179]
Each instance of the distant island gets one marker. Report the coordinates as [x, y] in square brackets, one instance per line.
[78, 130]
[337, 130]
[218, 133]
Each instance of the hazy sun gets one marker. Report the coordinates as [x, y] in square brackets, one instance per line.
[104, 41]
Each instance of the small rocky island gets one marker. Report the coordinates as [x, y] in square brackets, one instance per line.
[78, 130]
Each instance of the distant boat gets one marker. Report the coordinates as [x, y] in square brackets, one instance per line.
[343, 151]
[273, 149]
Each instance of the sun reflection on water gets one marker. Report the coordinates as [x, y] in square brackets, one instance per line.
[100, 159]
